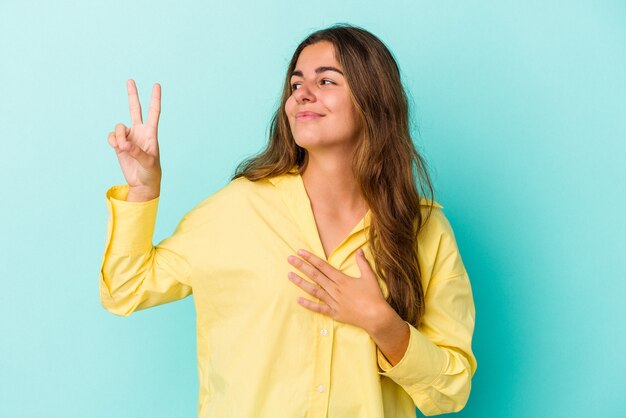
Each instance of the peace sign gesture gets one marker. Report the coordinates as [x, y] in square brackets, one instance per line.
[137, 147]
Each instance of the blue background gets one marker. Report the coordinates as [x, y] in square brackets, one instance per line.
[519, 108]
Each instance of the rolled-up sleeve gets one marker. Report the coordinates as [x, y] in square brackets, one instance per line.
[134, 274]
[438, 365]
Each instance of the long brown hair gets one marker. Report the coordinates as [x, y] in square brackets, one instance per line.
[385, 164]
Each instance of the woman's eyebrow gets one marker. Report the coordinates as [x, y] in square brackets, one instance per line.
[317, 71]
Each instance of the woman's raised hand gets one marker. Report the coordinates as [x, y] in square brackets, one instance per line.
[137, 147]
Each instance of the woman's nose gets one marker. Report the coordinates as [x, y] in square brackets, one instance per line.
[304, 93]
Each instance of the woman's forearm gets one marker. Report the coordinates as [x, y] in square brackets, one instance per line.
[391, 335]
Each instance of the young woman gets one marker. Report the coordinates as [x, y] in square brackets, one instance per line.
[325, 282]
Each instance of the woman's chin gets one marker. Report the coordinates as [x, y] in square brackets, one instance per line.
[311, 141]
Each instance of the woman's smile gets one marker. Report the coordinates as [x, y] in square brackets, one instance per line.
[307, 115]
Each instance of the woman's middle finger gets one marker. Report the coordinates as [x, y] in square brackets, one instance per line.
[310, 288]
[314, 274]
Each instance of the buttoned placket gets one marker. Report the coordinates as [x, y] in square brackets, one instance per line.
[299, 203]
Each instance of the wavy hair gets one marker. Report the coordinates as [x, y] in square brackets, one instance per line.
[390, 172]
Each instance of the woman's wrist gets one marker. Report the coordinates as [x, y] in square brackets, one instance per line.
[140, 194]
[391, 335]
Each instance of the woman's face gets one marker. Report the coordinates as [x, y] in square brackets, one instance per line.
[320, 111]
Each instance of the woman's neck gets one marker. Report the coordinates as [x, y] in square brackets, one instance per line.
[331, 186]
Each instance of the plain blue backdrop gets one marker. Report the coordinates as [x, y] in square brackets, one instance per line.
[518, 107]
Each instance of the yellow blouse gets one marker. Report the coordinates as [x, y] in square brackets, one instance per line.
[260, 353]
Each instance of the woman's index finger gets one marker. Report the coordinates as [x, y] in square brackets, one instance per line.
[155, 106]
[133, 103]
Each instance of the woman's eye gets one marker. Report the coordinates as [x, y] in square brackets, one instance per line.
[294, 86]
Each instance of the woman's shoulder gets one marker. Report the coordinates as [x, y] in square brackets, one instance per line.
[427, 202]
[435, 223]
[438, 245]
[232, 194]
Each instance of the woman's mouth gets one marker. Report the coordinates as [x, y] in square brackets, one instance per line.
[300, 116]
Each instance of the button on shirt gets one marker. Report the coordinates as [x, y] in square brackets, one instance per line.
[260, 353]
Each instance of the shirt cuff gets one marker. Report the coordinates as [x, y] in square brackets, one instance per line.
[422, 363]
[131, 224]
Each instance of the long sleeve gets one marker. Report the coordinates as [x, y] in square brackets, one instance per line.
[134, 274]
[438, 365]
